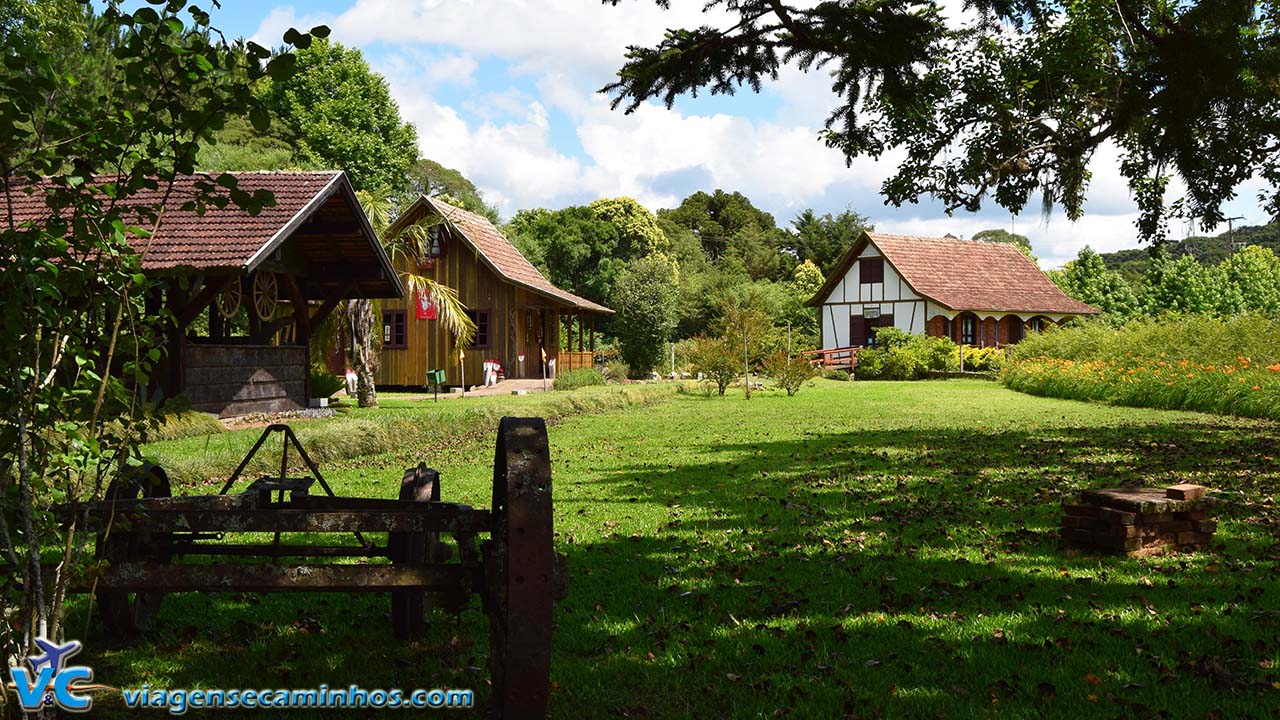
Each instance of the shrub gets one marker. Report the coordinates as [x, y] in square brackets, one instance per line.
[324, 384]
[617, 371]
[575, 379]
[1229, 366]
[716, 359]
[983, 359]
[789, 373]
[837, 374]
[903, 356]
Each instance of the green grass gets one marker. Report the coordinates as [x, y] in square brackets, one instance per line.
[859, 550]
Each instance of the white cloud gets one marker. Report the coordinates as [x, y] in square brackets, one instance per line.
[503, 140]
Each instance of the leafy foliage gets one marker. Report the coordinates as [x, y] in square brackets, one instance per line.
[1014, 103]
[340, 114]
[81, 344]
[823, 239]
[1088, 280]
[583, 377]
[717, 359]
[787, 372]
[428, 177]
[645, 301]
[899, 355]
[1220, 365]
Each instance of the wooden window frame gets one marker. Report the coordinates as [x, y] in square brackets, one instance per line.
[389, 318]
[873, 324]
[474, 314]
[867, 263]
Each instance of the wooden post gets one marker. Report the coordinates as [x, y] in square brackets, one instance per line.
[579, 330]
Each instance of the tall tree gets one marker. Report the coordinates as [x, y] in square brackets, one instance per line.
[428, 177]
[1014, 104]
[1088, 280]
[822, 239]
[717, 217]
[1253, 274]
[1179, 286]
[340, 114]
[645, 301]
[1000, 235]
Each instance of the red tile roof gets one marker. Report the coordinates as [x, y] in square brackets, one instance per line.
[222, 238]
[964, 275]
[502, 256]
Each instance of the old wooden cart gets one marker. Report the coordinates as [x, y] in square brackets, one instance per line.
[145, 535]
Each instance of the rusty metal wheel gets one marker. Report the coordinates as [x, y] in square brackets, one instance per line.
[411, 609]
[127, 614]
[520, 569]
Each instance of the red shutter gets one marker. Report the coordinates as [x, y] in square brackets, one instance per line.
[857, 331]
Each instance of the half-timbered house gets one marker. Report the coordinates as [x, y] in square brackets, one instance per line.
[976, 293]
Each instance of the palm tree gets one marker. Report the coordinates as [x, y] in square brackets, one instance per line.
[404, 249]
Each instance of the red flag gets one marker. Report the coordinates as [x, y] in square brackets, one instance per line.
[426, 307]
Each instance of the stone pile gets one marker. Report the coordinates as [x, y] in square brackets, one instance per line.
[1139, 521]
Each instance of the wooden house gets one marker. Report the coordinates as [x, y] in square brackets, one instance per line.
[255, 285]
[519, 314]
[976, 293]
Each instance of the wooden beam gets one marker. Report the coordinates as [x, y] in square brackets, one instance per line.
[297, 302]
[192, 308]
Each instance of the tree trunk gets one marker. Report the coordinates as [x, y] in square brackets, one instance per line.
[364, 356]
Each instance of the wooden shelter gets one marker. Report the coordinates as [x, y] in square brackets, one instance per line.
[247, 290]
[518, 312]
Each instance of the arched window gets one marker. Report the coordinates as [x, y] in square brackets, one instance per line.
[968, 329]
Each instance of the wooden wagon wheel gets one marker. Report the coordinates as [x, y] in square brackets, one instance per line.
[266, 294]
[411, 608]
[520, 570]
[127, 614]
[230, 298]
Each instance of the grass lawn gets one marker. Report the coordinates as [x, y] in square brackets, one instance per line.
[862, 549]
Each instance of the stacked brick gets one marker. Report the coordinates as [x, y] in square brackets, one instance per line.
[1139, 521]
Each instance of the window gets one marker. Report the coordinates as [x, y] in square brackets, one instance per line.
[393, 330]
[968, 330]
[872, 270]
[1036, 324]
[481, 319]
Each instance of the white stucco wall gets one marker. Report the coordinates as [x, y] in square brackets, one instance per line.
[852, 297]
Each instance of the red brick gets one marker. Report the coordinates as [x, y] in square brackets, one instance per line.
[1207, 526]
[1117, 517]
[1185, 491]
[1177, 526]
[1191, 515]
[1080, 510]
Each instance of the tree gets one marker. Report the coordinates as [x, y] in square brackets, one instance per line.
[340, 114]
[574, 247]
[428, 177]
[824, 239]
[789, 373]
[404, 249]
[716, 359]
[1253, 274]
[1013, 104]
[747, 322]
[1179, 286]
[1088, 280]
[638, 231]
[645, 300]
[79, 344]
[715, 218]
[807, 279]
[1000, 235]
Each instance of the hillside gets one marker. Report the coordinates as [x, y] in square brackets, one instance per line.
[1208, 250]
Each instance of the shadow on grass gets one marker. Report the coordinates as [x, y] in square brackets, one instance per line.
[869, 573]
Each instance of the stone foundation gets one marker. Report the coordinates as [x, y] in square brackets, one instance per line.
[1139, 521]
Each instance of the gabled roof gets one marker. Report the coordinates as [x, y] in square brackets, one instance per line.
[962, 275]
[494, 250]
[229, 240]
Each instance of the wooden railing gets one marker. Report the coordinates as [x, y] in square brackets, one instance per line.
[566, 361]
[832, 357]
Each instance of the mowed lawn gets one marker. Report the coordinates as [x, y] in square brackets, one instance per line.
[859, 550]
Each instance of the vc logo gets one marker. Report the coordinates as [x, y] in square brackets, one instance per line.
[50, 682]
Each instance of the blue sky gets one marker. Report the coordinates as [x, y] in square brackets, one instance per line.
[505, 91]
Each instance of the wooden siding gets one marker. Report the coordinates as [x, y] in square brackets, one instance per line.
[515, 316]
[231, 380]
